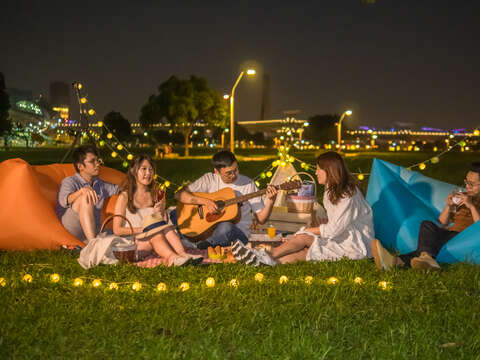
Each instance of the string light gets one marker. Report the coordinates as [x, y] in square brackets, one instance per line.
[114, 154]
[3, 282]
[422, 166]
[384, 285]
[100, 124]
[283, 279]
[167, 183]
[129, 156]
[332, 280]
[184, 286]
[358, 280]
[109, 135]
[210, 282]
[259, 277]
[360, 177]
[77, 282]
[119, 147]
[91, 112]
[234, 283]
[97, 283]
[83, 100]
[27, 278]
[113, 286]
[136, 286]
[54, 278]
[308, 279]
[161, 287]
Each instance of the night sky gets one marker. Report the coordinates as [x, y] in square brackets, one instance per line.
[408, 61]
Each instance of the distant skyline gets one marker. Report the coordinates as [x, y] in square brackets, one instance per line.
[390, 61]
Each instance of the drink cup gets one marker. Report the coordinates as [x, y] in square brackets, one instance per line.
[271, 231]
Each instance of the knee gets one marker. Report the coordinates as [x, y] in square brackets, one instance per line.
[81, 203]
[224, 227]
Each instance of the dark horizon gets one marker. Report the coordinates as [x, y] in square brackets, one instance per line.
[387, 61]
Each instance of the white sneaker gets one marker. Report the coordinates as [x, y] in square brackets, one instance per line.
[264, 257]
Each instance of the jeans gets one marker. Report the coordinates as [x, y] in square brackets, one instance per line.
[225, 234]
[431, 238]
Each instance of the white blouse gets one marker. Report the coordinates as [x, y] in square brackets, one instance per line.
[348, 233]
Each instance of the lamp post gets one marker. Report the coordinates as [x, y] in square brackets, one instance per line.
[232, 123]
[339, 127]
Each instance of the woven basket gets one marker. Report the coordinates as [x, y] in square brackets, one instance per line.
[123, 252]
[302, 204]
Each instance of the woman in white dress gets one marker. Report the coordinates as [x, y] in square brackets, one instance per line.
[140, 198]
[348, 231]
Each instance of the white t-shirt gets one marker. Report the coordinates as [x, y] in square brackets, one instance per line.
[211, 182]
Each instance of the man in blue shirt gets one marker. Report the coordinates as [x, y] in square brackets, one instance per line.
[81, 196]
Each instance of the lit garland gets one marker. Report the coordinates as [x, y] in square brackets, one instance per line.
[210, 282]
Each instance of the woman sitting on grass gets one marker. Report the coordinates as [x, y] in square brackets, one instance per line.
[140, 201]
[348, 232]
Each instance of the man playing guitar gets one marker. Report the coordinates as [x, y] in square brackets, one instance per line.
[225, 174]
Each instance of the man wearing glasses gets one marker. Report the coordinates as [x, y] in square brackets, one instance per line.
[461, 210]
[225, 174]
[81, 196]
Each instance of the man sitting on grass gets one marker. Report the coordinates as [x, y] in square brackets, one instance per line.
[225, 174]
[463, 209]
[81, 196]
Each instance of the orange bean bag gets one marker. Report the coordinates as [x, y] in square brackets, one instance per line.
[27, 201]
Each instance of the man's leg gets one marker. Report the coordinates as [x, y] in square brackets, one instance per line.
[85, 212]
[225, 234]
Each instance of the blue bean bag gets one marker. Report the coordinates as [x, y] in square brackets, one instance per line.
[401, 199]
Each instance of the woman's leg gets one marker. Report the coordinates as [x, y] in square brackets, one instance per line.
[163, 249]
[294, 257]
[174, 241]
[294, 245]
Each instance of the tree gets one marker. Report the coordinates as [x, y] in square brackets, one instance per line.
[118, 125]
[322, 128]
[184, 104]
[5, 124]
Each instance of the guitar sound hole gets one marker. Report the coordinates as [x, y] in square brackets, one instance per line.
[220, 204]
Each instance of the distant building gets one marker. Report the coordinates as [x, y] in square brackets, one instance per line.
[60, 98]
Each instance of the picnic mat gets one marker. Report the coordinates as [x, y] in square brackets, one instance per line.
[154, 261]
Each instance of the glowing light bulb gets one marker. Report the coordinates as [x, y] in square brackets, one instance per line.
[100, 123]
[125, 164]
[259, 277]
[27, 278]
[114, 154]
[136, 286]
[161, 287]
[167, 183]
[257, 183]
[269, 174]
[83, 100]
[435, 160]
[91, 112]
[422, 166]
[302, 165]
[358, 280]
[263, 175]
[54, 278]
[283, 279]
[109, 135]
[332, 280]
[113, 286]
[129, 156]
[308, 279]
[97, 283]
[3, 282]
[101, 143]
[184, 286]
[210, 282]
[384, 285]
[119, 147]
[233, 283]
[361, 177]
[77, 282]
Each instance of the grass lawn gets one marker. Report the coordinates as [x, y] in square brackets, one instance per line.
[425, 316]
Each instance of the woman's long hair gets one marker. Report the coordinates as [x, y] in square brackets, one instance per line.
[130, 183]
[340, 183]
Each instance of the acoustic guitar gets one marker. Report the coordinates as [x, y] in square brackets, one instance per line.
[196, 223]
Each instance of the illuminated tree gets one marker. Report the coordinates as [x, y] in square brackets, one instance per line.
[184, 104]
[5, 124]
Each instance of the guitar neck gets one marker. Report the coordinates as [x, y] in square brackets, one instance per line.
[245, 197]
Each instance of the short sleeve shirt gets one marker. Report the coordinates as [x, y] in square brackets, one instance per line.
[211, 182]
[74, 183]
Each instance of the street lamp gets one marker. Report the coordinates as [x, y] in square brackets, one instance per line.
[339, 127]
[232, 124]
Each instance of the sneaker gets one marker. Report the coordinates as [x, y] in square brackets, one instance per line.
[244, 255]
[264, 257]
[383, 259]
[424, 262]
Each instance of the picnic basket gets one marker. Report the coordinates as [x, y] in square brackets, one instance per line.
[302, 203]
[123, 252]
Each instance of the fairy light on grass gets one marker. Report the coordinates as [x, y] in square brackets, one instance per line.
[55, 278]
[77, 282]
[234, 283]
[259, 277]
[210, 282]
[184, 286]
[283, 280]
[113, 286]
[358, 280]
[96, 283]
[27, 278]
[332, 280]
[308, 280]
[136, 286]
[161, 287]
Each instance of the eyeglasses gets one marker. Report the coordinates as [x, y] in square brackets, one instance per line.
[469, 183]
[231, 172]
[96, 160]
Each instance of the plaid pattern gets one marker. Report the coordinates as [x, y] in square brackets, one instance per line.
[154, 261]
